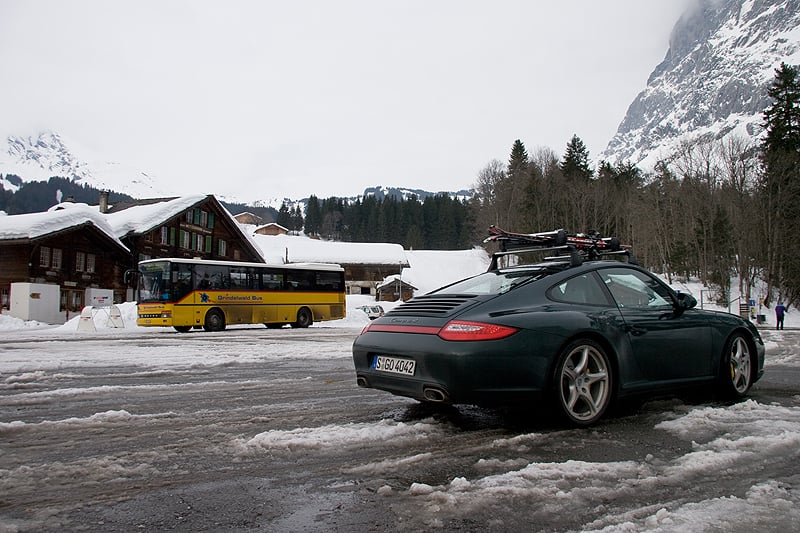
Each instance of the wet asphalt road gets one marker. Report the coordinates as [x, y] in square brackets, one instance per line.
[127, 448]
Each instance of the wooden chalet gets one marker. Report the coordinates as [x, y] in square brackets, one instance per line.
[271, 229]
[394, 288]
[186, 226]
[72, 248]
[249, 219]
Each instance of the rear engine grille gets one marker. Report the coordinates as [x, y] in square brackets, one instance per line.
[431, 305]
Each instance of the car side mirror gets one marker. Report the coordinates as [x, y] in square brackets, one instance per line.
[685, 301]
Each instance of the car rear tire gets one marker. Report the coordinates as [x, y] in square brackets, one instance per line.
[304, 318]
[182, 329]
[583, 382]
[736, 375]
[215, 321]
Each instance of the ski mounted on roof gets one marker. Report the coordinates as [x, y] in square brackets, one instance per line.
[578, 247]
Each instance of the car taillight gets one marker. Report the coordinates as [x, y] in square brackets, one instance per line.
[459, 330]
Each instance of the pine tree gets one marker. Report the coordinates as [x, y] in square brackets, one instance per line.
[313, 216]
[284, 217]
[780, 184]
[782, 118]
[297, 218]
[576, 160]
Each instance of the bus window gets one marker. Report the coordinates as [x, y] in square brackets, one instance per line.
[240, 278]
[271, 281]
[330, 281]
[244, 278]
[181, 281]
[212, 277]
[299, 280]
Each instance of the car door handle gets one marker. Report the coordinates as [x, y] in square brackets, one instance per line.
[636, 330]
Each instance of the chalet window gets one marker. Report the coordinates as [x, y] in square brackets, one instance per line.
[196, 219]
[164, 235]
[203, 219]
[207, 248]
[211, 220]
[222, 248]
[4, 298]
[80, 261]
[189, 216]
[236, 255]
[186, 239]
[90, 262]
[57, 256]
[172, 236]
[199, 241]
[44, 256]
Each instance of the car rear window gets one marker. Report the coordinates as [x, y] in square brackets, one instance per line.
[495, 282]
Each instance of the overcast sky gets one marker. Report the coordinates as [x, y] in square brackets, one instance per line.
[272, 99]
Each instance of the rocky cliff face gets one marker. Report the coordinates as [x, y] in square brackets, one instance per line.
[713, 81]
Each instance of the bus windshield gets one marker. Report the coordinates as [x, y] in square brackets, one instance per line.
[154, 285]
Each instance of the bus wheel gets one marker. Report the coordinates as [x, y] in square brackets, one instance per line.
[304, 318]
[215, 321]
[182, 329]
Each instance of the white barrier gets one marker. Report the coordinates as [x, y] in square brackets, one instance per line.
[89, 313]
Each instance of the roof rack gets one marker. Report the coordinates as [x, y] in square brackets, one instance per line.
[578, 247]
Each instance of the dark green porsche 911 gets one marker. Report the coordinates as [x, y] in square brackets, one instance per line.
[581, 333]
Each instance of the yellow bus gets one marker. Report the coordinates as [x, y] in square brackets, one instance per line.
[195, 293]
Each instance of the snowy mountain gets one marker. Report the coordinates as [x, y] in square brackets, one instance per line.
[713, 81]
[48, 154]
[399, 193]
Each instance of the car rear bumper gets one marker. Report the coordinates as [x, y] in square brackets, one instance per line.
[483, 373]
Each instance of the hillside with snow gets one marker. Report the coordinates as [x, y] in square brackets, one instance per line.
[713, 81]
[48, 154]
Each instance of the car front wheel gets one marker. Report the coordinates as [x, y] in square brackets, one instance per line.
[583, 382]
[736, 376]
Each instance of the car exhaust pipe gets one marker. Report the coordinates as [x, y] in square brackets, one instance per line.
[362, 381]
[434, 395]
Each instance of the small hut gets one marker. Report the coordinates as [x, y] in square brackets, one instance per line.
[393, 288]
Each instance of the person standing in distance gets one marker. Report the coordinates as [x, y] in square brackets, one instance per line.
[780, 311]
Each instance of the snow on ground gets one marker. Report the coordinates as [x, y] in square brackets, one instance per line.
[743, 435]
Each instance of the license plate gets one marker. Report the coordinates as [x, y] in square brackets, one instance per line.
[395, 365]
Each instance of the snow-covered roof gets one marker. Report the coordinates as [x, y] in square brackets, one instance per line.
[272, 225]
[431, 269]
[389, 280]
[142, 218]
[59, 218]
[299, 249]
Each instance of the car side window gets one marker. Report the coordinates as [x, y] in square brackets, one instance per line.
[631, 288]
[583, 289]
